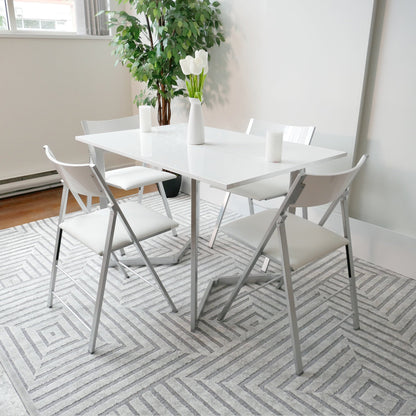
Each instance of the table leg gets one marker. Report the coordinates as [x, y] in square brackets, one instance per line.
[194, 252]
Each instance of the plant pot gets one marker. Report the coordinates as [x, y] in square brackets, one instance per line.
[172, 186]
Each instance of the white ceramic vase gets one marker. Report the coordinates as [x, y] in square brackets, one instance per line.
[195, 133]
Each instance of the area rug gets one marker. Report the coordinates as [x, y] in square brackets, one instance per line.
[148, 362]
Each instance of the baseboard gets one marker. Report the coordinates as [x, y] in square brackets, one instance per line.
[29, 183]
[35, 182]
[372, 243]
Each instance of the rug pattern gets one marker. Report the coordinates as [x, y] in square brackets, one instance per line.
[148, 362]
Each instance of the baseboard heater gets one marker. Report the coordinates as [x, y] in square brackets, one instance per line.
[29, 183]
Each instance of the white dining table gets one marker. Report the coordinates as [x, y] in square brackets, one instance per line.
[227, 159]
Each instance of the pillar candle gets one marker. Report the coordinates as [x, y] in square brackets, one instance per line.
[274, 141]
[145, 117]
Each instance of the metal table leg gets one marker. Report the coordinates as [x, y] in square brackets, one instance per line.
[194, 252]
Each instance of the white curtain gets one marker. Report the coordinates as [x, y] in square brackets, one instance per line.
[96, 25]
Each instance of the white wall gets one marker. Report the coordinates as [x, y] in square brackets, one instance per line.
[385, 194]
[293, 62]
[48, 85]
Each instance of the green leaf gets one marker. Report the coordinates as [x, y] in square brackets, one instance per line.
[151, 49]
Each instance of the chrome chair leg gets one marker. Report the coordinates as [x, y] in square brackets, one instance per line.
[250, 206]
[353, 288]
[219, 220]
[350, 264]
[54, 267]
[166, 205]
[101, 283]
[290, 301]
[140, 195]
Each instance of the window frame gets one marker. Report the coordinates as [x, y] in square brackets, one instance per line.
[80, 33]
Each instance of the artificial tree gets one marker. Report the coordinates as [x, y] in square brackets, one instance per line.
[151, 43]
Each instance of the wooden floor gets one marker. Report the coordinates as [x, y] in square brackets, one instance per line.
[42, 204]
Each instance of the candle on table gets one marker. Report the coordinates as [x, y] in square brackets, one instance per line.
[145, 117]
[274, 141]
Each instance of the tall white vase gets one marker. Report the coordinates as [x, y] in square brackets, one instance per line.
[195, 123]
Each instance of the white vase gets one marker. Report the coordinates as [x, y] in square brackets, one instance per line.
[195, 133]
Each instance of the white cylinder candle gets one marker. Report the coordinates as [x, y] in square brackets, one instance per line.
[274, 141]
[145, 118]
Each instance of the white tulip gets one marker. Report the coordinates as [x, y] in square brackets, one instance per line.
[204, 56]
[186, 64]
[196, 66]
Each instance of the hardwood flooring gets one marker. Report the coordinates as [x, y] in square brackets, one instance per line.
[35, 206]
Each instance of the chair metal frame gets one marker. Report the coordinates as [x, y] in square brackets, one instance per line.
[296, 198]
[90, 182]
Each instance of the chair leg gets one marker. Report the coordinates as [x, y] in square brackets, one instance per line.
[98, 304]
[350, 263]
[140, 195]
[353, 288]
[89, 203]
[266, 262]
[101, 283]
[54, 266]
[250, 206]
[166, 204]
[290, 301]
[219, 220]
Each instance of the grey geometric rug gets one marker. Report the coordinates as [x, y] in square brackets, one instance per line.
[148, 362]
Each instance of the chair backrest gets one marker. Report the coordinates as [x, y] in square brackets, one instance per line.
[310, 190]
[104, 126]
[294, 134]
[79, 178]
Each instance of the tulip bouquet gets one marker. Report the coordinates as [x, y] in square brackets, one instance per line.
[196, 70]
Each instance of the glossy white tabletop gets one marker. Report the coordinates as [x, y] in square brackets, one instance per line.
[227, 159]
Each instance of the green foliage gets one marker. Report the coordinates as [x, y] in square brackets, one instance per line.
[195, 85]
[151, 44]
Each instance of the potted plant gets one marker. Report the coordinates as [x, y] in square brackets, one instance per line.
[151, 43]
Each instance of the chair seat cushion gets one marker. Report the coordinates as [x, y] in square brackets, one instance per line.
[265, 189]
[307, 241]
[136, 176]
[91, 229]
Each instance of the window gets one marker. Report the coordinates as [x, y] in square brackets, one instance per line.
[3, 17]
[63, 16]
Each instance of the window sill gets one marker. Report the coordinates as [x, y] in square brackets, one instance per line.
[59, 35]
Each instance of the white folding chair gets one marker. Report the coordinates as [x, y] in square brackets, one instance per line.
[294, 242]
[267, 188]
[104, 230]
[130, 177]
